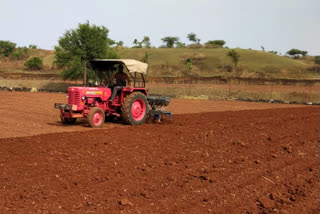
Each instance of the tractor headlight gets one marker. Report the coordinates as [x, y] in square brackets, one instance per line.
[83, 97]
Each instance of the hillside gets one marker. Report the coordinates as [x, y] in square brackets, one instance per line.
[214, 62]
[17, 66]
[165, 62]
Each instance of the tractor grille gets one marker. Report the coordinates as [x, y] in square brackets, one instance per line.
[74, 98]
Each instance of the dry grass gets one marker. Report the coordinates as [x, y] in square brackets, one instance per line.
[39, 84]
[213, 62]
[224, 93]
[205, 92]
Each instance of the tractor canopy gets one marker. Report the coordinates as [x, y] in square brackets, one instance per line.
[133, 66]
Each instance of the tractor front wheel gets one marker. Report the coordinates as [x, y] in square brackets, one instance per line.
[96, 117]
[134, 109]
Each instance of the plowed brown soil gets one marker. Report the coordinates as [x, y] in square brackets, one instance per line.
[251, 161]
[27, 114]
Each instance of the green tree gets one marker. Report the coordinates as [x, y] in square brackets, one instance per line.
[19, 53]
[180, 45]
[219, 43]
[6, 48]
[146, 42]
[293, 52]
[33, 46]
[35, 63]
[317, 60]
[193, 38]
[304, 53]
[78, 46]
[234, 55]
[137, 44]
[296, 52]
[170, 41]
[119, 44]
[273, 52]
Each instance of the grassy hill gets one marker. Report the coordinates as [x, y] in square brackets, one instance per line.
[17, 66]
[167, 62]
[214, 62]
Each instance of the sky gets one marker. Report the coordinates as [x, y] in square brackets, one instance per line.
[277, 25]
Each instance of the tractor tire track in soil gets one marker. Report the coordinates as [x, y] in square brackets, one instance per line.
[252, 161]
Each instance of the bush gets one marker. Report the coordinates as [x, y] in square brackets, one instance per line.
[6, 48]
[207, 45]
[33, 46]
[295, 53]
[19, 53]
[194, 46]
[180, 45]
[220, 43]
[35, 63]
[234, 55]
[170, 41]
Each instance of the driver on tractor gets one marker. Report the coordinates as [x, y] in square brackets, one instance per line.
[121, 81]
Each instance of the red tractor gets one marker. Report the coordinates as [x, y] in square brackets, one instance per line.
[131, 104]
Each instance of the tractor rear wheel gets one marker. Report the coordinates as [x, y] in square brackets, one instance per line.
[68, 121]
[96, 117]
[134, 109]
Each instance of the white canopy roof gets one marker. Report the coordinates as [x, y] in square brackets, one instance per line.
[131, 64]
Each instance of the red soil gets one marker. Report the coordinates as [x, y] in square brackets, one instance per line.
[252, 161]
[27, 114]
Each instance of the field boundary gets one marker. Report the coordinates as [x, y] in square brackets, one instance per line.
[234, 80]
[181, 80]
[24, 89]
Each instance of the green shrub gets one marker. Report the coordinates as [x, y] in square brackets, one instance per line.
[220, 43]
[188, 64]
[194, 46]
[19, 53]
[35, 63]
[33, 46]
[234, 55]
[208, 45]
[6, 48]
[180, 45]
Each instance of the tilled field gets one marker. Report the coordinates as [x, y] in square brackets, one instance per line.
[27, 114]
[250, 161]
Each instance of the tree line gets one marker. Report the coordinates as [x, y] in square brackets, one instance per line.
[174, 42]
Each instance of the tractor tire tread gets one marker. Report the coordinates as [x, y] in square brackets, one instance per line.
[90, 117]
[126, 105]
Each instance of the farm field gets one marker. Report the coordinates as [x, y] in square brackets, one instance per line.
[213, 157]
[27, 114]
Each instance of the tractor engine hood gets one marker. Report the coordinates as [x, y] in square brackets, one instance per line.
[74, 93]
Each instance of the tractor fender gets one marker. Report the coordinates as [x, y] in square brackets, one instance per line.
[130, 90]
